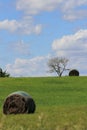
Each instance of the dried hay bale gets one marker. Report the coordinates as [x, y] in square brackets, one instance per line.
[19, 103]
[74, 72]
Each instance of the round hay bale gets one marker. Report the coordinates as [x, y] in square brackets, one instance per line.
[74, 72]
[18, 103]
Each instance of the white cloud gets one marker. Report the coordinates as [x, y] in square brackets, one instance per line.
[74, 41]
[72, 15]
[9, 25]
[22, 27]
[34, 7]
[73, 47]
[28, 67]
[20, 47]
[37, 29]
[71, 9]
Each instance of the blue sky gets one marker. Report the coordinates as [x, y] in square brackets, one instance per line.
[32, 31]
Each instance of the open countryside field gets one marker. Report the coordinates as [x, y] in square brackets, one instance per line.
[61, 103]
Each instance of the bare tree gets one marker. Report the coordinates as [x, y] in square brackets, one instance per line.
[58, 65]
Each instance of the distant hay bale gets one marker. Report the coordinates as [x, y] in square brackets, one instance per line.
[18, 103]
[74, 72]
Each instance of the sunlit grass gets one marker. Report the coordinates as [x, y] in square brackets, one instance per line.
[61, 103]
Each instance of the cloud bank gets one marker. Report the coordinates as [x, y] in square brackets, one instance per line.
[74, 47]
[70, 10]
[28, 67]
[22, 27]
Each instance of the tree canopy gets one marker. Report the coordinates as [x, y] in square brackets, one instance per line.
[3, 73]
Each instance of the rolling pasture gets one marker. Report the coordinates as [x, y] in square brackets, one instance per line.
[61, 103]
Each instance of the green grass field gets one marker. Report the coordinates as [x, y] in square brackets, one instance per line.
[61, 103]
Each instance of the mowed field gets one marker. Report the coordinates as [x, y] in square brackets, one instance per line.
[61, 103]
